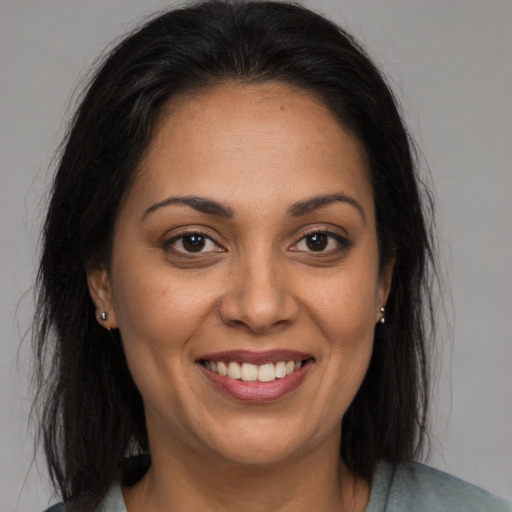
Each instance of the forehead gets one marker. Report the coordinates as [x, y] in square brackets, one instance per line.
[238, 141]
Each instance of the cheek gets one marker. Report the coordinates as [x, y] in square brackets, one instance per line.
[156, 319]
[344, 306]
[157, 315]
[349, 328]
[151, 307]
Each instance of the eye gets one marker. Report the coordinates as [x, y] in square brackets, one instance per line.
[317, 242]
[193, 243]
[321, 242]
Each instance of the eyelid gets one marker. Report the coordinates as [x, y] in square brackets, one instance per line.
[342, 241]
[169, 241]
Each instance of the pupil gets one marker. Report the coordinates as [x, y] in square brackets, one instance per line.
[317, 242]
[193, 243]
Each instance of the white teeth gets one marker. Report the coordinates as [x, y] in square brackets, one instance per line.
[267, 373]
[234, 370]
[280, 370]
[222, 368]
[251, 372]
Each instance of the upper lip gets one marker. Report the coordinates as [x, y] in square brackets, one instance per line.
[259, 358]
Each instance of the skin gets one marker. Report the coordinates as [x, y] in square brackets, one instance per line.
[256, 285]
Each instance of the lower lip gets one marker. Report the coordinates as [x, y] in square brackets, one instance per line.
[255, 391]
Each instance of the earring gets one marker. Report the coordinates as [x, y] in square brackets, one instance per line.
[383, 317]
[103, 318]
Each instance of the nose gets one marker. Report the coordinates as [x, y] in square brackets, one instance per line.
[259, 297]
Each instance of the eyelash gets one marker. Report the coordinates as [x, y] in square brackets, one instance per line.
[168, 245]
[342, 243]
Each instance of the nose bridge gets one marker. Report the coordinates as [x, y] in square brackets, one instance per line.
[258, 296]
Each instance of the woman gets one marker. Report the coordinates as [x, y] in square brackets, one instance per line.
[234, 280]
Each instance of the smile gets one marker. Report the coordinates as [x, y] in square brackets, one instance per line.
[256, 376]
[249, 372]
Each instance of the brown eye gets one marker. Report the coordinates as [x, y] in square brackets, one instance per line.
[317, 242]
[323, 243]
[193, 243]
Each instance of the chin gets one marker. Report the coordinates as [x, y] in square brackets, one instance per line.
[264, 446]
[257, 454]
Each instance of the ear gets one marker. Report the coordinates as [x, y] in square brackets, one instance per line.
[100, 289]
[384, 286]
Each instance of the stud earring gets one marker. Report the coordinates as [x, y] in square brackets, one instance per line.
[383, 317]
[103, 316]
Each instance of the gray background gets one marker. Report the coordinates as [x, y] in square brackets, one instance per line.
[450, 63]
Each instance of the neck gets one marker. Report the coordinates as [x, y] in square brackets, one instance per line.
[317, 480]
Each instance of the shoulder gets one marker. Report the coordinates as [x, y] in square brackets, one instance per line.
[134, 469]
[112, 502]
[58, 507]
[414, 486]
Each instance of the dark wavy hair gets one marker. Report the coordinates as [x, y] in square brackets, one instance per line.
[91, 412]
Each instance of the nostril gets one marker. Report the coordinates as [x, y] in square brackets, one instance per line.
[256, 316]
[258, 300]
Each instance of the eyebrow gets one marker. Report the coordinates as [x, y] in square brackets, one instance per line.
[298, 209]
[200, 204]
[314, 203]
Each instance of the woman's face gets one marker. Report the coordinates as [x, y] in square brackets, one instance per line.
[247, 246]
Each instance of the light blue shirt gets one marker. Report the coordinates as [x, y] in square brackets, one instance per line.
[410, 487]
[414, 487]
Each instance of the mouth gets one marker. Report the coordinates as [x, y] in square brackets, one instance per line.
[249, 372]
[256, 376]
